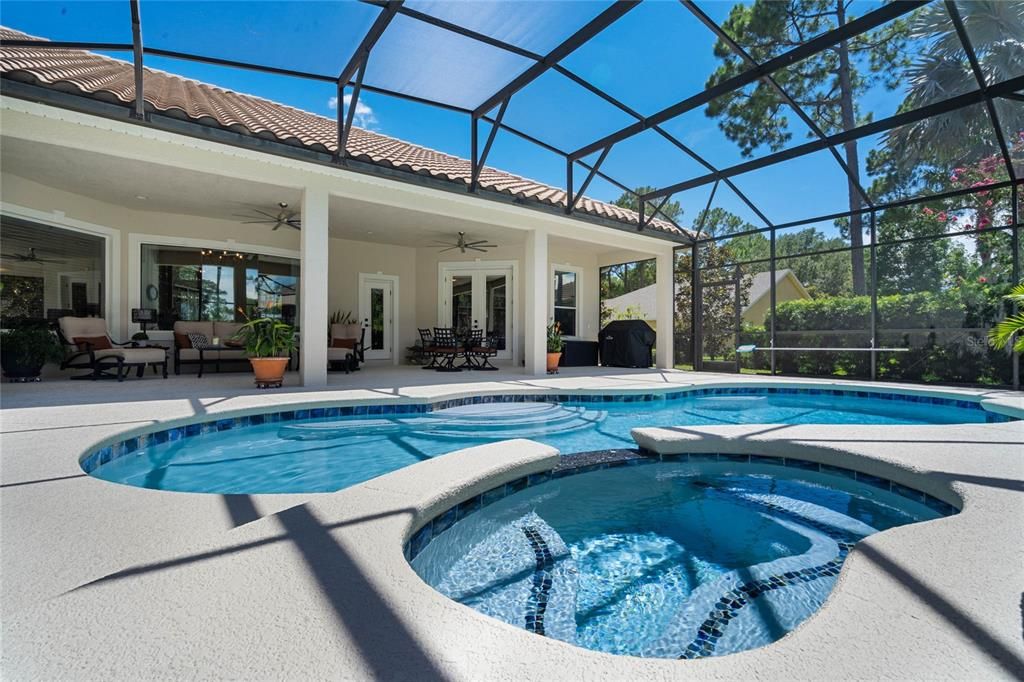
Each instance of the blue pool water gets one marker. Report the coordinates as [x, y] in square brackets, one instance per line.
[668, 560]
[327, 454]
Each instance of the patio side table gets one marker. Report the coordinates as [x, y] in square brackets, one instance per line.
[202, 357]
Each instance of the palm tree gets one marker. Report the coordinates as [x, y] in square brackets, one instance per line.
[1004, 333]
[996, 31]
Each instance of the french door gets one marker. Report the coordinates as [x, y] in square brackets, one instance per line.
[377, 315]
[479, 296]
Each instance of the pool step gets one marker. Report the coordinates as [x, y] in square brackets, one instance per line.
[485, 421]
[521, 573]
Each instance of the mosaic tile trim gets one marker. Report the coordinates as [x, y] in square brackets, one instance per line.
[733, 601]
[104, 455]
[729, 606]
[570, 465]
[537, 603]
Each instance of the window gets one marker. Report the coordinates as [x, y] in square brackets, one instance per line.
[565, 300]
[192, 284]
[49, 272]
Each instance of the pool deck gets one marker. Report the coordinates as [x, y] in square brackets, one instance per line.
[104, 581]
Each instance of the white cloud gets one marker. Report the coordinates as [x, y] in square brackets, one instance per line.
[365, 118]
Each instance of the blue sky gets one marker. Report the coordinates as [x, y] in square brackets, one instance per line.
[654, 56]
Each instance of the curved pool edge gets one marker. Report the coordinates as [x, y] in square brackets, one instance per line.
[668, 441]
[872, 626]
[127, 441]
[476, 470]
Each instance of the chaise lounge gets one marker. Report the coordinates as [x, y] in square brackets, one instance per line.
[89, 346]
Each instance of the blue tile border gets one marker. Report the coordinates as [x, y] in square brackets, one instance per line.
[581, 463]
[93, 460]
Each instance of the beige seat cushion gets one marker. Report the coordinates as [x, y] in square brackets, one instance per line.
[193, 354]
[134, 356]
[346, 331]
[82, 327]
[200, 327]
[226, 330]
[335, 354]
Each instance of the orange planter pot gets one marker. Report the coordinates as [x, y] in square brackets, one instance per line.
[553, 359]
[269, 371]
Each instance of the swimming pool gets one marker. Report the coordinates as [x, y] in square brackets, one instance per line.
[684, 559]
[327, 449]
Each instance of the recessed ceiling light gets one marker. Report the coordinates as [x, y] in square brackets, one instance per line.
[369, 232]
[141, 197]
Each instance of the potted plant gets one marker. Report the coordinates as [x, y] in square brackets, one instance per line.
[555, 345]
[26, 347]
[269, 344]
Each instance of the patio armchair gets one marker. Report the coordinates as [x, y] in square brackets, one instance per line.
[429, 347]
[481, 351]
[447, 348]
[346, 349]
[89, 346]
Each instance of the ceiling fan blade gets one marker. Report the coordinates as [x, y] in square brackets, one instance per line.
[474, 248]
[49, 260]
[258, 222]
[450, 248]
[478, 241]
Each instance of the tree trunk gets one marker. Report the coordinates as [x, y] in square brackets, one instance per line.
[852, 160]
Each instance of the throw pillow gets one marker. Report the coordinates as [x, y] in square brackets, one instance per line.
[182, 340]
[343, 343]
[198, 340]
[93, 342]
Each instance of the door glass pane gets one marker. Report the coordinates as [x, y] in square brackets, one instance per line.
[496, 310]
[462, 303]
[376, 319]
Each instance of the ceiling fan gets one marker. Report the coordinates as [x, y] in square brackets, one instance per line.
[30, 257]
[283, 217]
[462, 245]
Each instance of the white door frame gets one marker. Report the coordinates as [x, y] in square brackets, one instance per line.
[364, 279]
[445, 270]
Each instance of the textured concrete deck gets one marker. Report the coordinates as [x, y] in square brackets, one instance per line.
[103, 581]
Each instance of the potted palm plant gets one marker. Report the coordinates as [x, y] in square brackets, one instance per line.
[1009, 333]
[269, 344]
[555, 345]
[25, 347]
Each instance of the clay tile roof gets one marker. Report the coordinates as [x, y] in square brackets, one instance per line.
[86, 73]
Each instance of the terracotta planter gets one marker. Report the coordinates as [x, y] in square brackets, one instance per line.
[268, 370]
[553, 359]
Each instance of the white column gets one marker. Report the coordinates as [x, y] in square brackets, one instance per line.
[535, 311]
[665, 291]
[313, 287]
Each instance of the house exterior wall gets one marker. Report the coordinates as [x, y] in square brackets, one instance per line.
[416, 268]
[785, 290]
[348, 258]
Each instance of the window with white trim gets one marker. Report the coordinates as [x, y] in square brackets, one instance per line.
[565, 300]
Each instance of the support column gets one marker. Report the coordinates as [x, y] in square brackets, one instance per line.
[535, 310]
[313, 287]
[665, 294]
